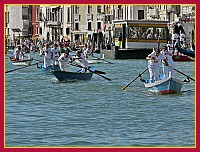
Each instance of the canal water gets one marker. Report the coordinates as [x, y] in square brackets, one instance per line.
[40, 111]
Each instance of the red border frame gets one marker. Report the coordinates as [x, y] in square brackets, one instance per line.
[2, 149]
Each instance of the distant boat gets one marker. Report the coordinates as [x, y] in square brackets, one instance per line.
[182, 58]
[71, 76]
[187, 52]
[165, 86]
[21, 63]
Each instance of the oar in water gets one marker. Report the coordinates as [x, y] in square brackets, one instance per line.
[139, 75]
[20, 68]
[182, 73]
[93, 71]
[97, 71]
[102, 59]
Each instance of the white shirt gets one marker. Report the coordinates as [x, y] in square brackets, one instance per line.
[82, 61]
[174, 36]
[151, 62]
[182, 36]
[55, 52]
[48, 53]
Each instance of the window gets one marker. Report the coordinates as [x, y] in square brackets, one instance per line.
[146, 32]
[76, 9]
[76, 26]
[98, 9]
[117, 31]
[61, 15]
[89, 9]
[98, 25]
[89, 26]
[133, 32]
[68, 15]
[140, 14]
[67, 31]
[40, 31]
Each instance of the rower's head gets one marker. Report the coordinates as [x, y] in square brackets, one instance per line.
[78, 53]
[66, 54]
[47, 45]
[55, 45]
[157, 51]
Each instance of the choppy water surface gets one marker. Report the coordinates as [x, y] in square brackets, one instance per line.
[43, 112]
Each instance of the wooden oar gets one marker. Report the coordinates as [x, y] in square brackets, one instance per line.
[20, 68]
[77, 65]
[139, 75]
[179, 72]
[182, 73]
[95, 72]
[102, 59]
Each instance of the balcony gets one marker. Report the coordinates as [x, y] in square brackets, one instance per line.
[89, 17]
[77, 17]
[53, 23]
[25, 24]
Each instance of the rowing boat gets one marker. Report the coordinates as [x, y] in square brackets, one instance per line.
[23, 63]
[182, 58]
[165, 85]
[71, 76]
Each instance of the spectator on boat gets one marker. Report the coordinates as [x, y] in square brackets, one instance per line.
[61, 49]
[56, 54]
[120, 39]
[176, 28]
[16, 53]
[47, 56]
[21, 54]
[66, 48]
[176, 46]
[182, 37]
[64, 61]
[153, 65]
[167, 61]
[80, 58]
[174, 38]
[87, 51]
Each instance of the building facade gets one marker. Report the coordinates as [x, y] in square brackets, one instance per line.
[81, 23]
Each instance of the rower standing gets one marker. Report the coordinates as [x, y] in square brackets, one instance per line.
[168, 62]
[64, 61]
[80, 58]
[56, 55]
[47, 56]
[153, 65]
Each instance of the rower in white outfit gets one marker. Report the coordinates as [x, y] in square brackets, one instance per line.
[80, 58]
[64, 61]
[55, 54]
[168, 70]
[154, 65]
[48, 54]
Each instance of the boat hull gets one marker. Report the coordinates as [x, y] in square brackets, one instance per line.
[181, 58]
[165, 86]
[49, 69]
[71, 76]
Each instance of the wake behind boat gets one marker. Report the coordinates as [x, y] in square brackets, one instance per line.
[71, 76]
[165, 85]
